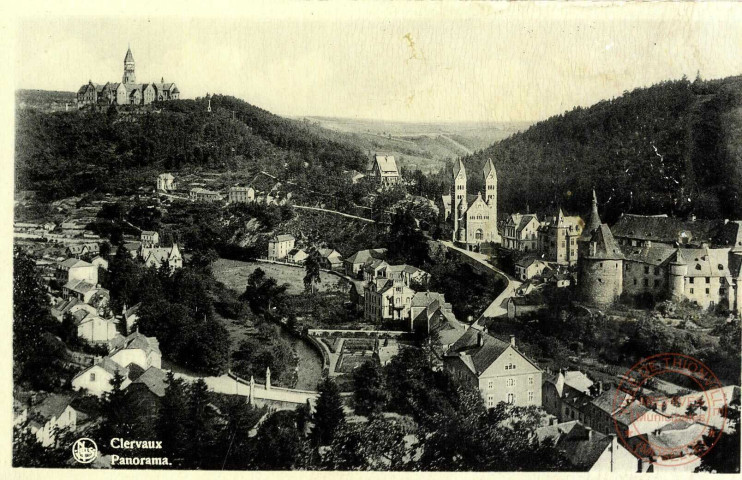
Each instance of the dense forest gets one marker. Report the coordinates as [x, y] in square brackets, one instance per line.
[118, 149]
[670, 148]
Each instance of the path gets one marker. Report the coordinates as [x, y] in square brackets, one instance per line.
[466, 149]
[317, 209]
[496, 308]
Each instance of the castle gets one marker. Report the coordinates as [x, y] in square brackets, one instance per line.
[127, 92]
[708, 276]
[473, 217]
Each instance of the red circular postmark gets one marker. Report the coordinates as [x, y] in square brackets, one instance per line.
[666, 424]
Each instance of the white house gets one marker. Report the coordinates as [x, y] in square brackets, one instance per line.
[95, 329]
[279, 246]
[97, 379]
[53, 413]
[297, 255]
[165, 182]
[136, 348]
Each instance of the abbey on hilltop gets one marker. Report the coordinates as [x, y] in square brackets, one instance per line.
[126, 92]
[473, 217]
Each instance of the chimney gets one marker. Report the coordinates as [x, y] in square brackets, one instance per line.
[600, 387]
[589, 433]
[512, 340]
[480, 339]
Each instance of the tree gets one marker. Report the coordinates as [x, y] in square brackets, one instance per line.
[118, 416]
[406, 242]
[124, 274]
[312, 269]
[262, 291]
[369, 389]
[723, 457]
[378, 445]
[278, 442]
[200, 427]
[328, 414]
[173, 418]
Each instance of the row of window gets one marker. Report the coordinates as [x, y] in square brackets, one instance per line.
[510, 399]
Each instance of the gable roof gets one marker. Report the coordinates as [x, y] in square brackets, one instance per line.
[282, 238]
[135, 341]
[362, 256]
[478, 358]
[489, 167]
[655, 254]
[387, 165]
[154, 379]
[705, 262]
[458, 167]
[75, 262]
[52, 406]
[108, 365]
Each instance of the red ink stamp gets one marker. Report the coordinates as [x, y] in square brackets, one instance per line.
[670, 409]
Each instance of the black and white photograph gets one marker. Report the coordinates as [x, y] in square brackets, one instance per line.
[374, 236]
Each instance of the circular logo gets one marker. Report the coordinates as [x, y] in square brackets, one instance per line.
[84, 450]
[669, 409]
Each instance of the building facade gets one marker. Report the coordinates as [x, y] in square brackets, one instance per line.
[279, 246]
[383, 171]
[126, 92]
[558, 237]
[166, 182]
[241, 195]
[473, 218]
[520, 232]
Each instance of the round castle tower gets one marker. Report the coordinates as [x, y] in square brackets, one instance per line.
[678, 271]
[599, 262]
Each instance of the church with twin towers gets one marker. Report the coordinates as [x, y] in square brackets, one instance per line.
[473, 218]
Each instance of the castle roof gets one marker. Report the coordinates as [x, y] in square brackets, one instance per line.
[655, 254]
[705, 262]
[606, 247]
[665, 229]
[593, 221]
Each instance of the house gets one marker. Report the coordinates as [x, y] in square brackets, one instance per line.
[79, 289]
[149, 238]
[297, 255]
[527, 304]
[158, 256]
[203, 195]
[558, 237]
[95, 329]
[279, 246]
[136, 348]
[520, 232]
[615, 409]
[567, 395]
[437, 319]
[147, 391]
[529, 267]
[496, 368]
[383, 171]
[241, 195]
[330, 259]
[591, 451]
[83, 250]
[386, 300]
[131, 316]
[354, 264]
[96, 379]
[165, 182]
[64, 306]
[54, 413]
[405, 274]
[372, 270]
[75, 269]
[100, 262]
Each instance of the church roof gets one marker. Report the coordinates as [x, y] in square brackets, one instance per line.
[458, 167]
[489, 167]
[129, 57]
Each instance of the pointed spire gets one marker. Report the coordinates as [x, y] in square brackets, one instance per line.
[489, 167]
[593, 223]
[129, 57]
[458, 167]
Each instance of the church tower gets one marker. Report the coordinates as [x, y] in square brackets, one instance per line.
[129, 76]
[458, 197]
[490, 181]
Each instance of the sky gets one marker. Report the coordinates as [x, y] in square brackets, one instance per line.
[417, 62]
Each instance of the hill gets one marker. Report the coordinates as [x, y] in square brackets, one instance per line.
[120, 149]
[675, 148]
[417, 146]
[45, 100]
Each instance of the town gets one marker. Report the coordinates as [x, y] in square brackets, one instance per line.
[382, 319]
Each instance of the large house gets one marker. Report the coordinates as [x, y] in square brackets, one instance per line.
[473, 217]
[386, 300]
[126, 92]
[241, 195]
[383, 171]
[496, 368]
[74, 269]
[355, 263]
[520, 232]
[158, 256]
[149, 238]
[279, 246]
[566, 395]
[166, 182]
[95, 329]
[557, 238]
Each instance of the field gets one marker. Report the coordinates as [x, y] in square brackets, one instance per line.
[234, 273]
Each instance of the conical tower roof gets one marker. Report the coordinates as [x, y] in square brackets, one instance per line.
[129, 57]
[606, 247]
[593, 222]
[489, 167]
[458, 167]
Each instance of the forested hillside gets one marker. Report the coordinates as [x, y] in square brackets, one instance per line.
[675, 147]
[119, 149]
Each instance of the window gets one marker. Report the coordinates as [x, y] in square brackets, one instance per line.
[690, 280]
[707, 291]
[646, 270]
[656, 270]
[490, 401]
[510, 382]
[635, 282]
[708, 280]
[530, 380]
[530, 397]
[646, 282]
[490, 385]
[511, 398]
[92, 377]
[691, 291]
